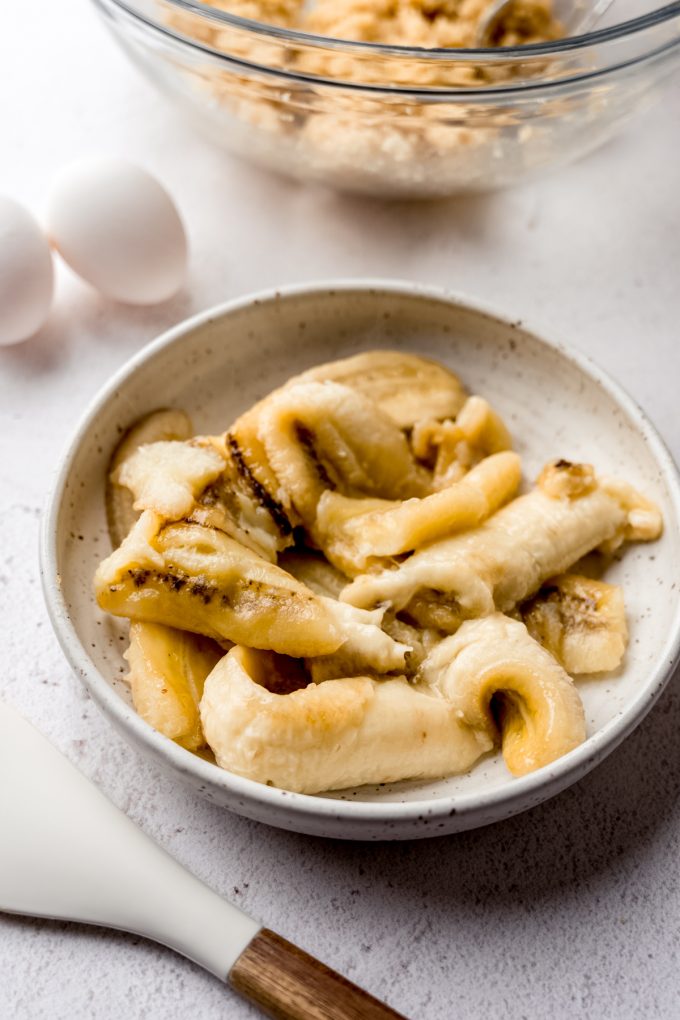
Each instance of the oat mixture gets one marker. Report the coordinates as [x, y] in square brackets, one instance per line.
[426, 23]
[359, 140]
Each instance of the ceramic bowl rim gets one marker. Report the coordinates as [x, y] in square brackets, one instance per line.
[559, 774]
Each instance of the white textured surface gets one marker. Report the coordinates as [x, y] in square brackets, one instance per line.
[569, 910]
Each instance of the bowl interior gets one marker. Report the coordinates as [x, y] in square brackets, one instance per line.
[554, 408]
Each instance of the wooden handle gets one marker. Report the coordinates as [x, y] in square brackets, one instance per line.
[289, 984]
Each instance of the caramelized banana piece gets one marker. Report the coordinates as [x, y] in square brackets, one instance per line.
[453, 447]
[200, 480]
[322, 435]
[167, 477]
[508, 557]
[494, 673]
[582, 622]
[165, 424]
[238, 505]
[406, 387]
[168, 668]
[199, 579]
[403, 387]
[250, 457]
[332, 735]
[354, 533]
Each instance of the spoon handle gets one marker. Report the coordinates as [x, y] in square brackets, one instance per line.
[289, 984]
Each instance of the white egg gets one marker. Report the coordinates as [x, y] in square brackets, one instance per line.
[26, 273]
[117, 227]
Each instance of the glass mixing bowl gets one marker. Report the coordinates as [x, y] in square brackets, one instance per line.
[398, 121]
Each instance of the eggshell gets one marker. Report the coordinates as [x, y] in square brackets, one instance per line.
[26, 273]
[118, 228]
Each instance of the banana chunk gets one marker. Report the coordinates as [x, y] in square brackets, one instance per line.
[453, 447]
[508, 557]
[582, 622]
[495, 675]
[238, 505]
[356, 533]
[168, 668]
[407, 387]
[402, 387]
[323, 435]
[162, 425]
[332, 735]
[166, 477]
[198, 579]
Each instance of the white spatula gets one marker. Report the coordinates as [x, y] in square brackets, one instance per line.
[67, 852]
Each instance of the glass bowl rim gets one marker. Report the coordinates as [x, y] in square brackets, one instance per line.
[567, 44]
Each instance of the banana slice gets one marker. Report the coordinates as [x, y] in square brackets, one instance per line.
[200, 481]
[318, 436]
[167, 477]
[406, 387]
[495, 675]
[454, 447]
[582, 622]
[198, 579]
[238, 505]
[507, 558]
[356, 533]
[168, 668]
[331, 735]
[165, 424]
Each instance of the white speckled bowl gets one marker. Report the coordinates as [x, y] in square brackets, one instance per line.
[556, 403]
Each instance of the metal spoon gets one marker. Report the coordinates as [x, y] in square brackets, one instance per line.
[67, 852]
[576, 17]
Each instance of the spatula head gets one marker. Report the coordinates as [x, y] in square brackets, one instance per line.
[67, 852]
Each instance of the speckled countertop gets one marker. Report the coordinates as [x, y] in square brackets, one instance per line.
[571, 910]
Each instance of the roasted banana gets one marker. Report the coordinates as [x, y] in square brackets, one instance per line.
[406, 387]
[402, 387]
[497, 677]
[201, 481]
[163, 425]
[167, 477]
[168, 668]
[582, 622]
[357, 533]
[236, 504]
[198, 579]
[331, 735]
[453, 447]
[506, 559]
[383, 464]
[318, 436]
